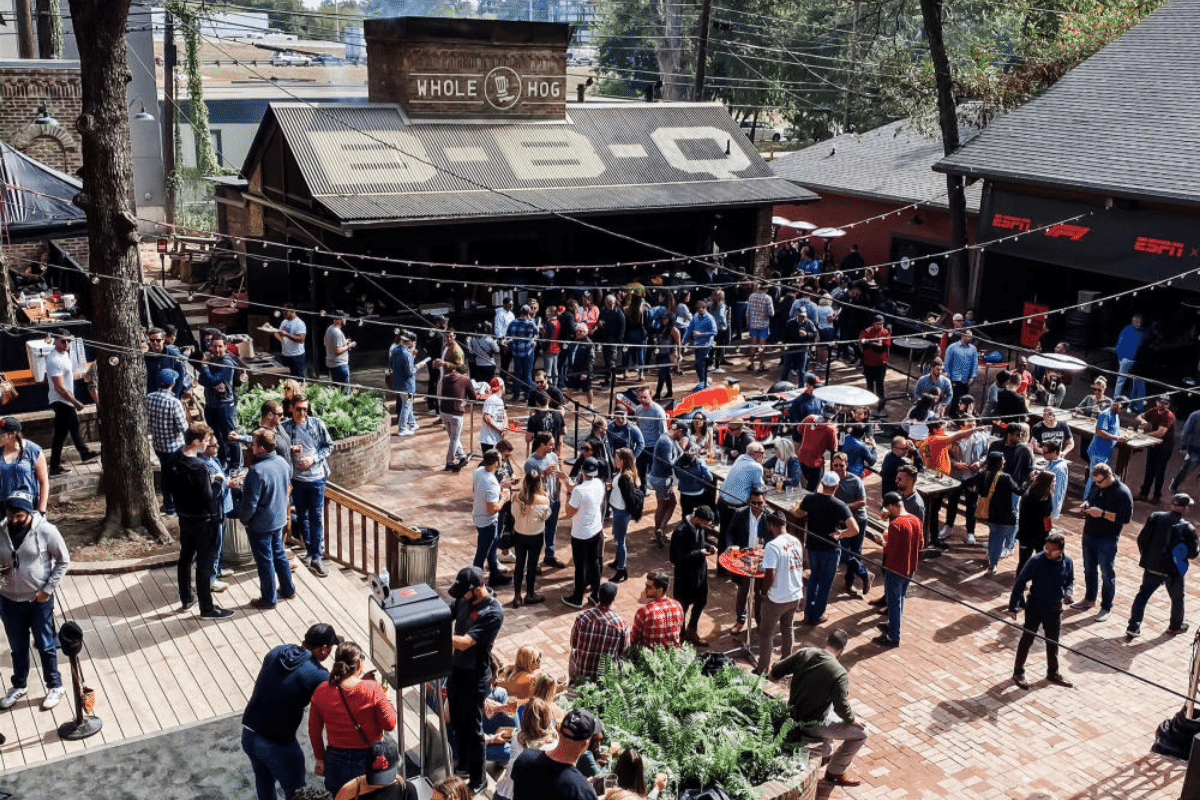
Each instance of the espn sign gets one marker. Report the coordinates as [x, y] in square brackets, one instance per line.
[1158, 247]
[1010, 223]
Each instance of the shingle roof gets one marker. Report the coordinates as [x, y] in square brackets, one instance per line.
[890, 163]
[1124, 122]
[367, 166]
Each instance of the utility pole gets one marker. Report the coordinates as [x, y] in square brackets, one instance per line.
[168, 117]
[24, 29]
[702, 49]
[45, 30]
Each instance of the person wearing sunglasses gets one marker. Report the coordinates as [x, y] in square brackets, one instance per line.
[311, 447]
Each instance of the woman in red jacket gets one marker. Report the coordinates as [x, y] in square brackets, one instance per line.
[352, 711]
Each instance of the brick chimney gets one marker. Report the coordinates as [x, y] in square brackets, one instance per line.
[468, 68]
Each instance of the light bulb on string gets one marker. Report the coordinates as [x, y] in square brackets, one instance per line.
[95, 280]
[278, 314]
[322, 312]
[113, 361]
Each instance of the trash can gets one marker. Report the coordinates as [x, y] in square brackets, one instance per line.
[417, 560]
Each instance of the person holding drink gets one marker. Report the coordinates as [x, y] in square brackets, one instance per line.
[311, 446]
[828, 521]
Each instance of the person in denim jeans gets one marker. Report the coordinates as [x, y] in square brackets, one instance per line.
[487, 498]
[999, 486]
[1108, 507]
[1128, 342]
[824, 517]
[311, 446]
[264, 510]
[1189, 443]
[337, 349]
[545, 461]
[901, 550]
[219, 375]
[625, 480]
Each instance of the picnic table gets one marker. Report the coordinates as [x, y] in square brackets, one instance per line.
[1084, 426]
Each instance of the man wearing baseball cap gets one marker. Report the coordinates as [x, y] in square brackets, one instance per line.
[1166, 543]
[828, 520]
[289, 675]
[33, 561]
[477, 619]
[552, 775]
[337, 349]
[402, 360]
[495, 418]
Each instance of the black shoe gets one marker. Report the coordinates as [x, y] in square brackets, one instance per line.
[1177, 631]
[497, 579]
[187, 605]
[1019, 681]
[1059, 680]
[318, 568]
[573, 602]
[884, 641]
[216, 613]
[261, 604]
[620, 576]
[59, 471]
[91, 456]
[553, 563]
[612, 565]
[532, 599]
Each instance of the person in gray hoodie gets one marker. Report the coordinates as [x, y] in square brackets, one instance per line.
[264, 513]
[33, 560]
[290, 674]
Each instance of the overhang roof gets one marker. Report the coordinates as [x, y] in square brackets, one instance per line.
[892, 163]
[1122, 123]
[37, 198]
[368, 166]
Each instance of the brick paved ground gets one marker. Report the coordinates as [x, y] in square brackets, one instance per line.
[944, 717]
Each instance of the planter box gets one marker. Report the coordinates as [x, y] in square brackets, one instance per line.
[361, 459]
[773, 790]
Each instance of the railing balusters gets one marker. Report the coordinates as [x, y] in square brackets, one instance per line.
[343, 506]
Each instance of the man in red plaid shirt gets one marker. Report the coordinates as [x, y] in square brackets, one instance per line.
[597, 632]
[659, 622]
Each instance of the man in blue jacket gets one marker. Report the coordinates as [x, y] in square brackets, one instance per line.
[1050, 576]
[264, 513]
[290, 673]
[404, 382]
[219, 375]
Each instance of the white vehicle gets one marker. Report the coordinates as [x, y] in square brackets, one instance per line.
[761, 132]
[290, 60]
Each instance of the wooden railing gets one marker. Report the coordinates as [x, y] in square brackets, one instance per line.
[361, 535]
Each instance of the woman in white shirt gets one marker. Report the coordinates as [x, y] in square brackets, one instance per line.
[530, 510]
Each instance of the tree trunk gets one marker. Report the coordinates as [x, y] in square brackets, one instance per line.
[956, 263]
[669, 51]
[107, 174]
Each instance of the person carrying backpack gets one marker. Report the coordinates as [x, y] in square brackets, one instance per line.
[1167, 542]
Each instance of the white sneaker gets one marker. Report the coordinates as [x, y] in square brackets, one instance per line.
[219, 586]
[970, 540]
[1103, 615]
[225, 573]
[506, 557]
[53, 698]
[10, 699]
[945, 532]
[407, 432]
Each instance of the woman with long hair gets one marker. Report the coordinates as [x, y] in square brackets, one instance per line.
[515, 679]
[530, 510]
[544, 687]
[348, 714]
[1033, 517]
[783, 468]
[700, 432]
[630, 774]
[636, 309]
[538, 731]
[22, 465]
[625, 481]
[999, 487]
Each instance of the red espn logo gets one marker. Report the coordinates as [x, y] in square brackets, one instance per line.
[1072, 232]
[1011, 223]
[1159, 246]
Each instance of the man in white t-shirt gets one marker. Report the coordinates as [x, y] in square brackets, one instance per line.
[495, 418]
[337, 349]
[783, 585]
[291, 335]
[487, 499]
[60, 387]
[585, 509]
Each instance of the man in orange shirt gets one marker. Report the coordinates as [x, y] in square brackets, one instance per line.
[935, 450]
[900, 552]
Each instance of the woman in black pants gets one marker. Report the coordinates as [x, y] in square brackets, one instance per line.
[530, 509]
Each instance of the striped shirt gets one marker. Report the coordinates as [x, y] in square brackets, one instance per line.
[522, 337]
[759, 310]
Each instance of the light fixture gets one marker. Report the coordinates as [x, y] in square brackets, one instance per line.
[143, 115]
[43, 117]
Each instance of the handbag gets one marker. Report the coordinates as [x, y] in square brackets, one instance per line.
[984, 507]
[357, 727]
[8, 392]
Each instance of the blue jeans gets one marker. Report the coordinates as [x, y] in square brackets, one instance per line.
[272, 563]
[620, 527]
[309, 499]
[295, 365]
[522, 376]
[1137, 387]
[1191, 457]
[852, 553]
[552, 527]
[404, 416]
[271, 762]
[895, 587]
[1099, 552]
[342, 765]
[635, 355]
[797, 361]
[999, 537]
[218, 548]
[223, 420]
[1150, 583]
[702, 365]
[25, 619]
[485, 547]
[822, 569]
[1092, 462]
[738, 323]
[340, 374]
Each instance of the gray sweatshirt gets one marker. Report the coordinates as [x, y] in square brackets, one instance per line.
[41, 561]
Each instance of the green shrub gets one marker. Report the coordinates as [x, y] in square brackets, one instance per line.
[345, 415]
[719, 730]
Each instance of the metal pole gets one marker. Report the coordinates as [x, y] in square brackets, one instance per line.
[25, 41]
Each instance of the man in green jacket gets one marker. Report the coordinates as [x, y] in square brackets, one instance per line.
[820, 685]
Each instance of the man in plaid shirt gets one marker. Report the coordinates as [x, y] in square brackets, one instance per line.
[597, 632]
[659, 622]
[168, 422]
[759, 310]
[522, 337]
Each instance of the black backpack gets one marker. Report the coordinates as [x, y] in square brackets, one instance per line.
[634, 497]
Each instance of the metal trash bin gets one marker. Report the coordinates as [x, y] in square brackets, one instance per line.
[416, 559]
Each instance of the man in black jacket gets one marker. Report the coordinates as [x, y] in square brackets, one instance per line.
[194, 488]
[690, 550]
[747, 527]
[1167, 542]
[1050, 576]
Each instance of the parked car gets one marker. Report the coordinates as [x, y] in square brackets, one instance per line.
[761, 132]
[290, 60]
[329, 60]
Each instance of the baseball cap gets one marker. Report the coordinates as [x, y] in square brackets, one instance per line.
[879, 318]
[801, 312]
[607, 593]
[580, 725]
[383, 758]
[468, 578]
[10, 425]
[408, 336]
[167, 377]
[1182, 500]
[1121, 399]
[21, 500]
[590, 467]
[321, 635]
[811, 378]
[525, 309]
[830, 479]
[497, 384]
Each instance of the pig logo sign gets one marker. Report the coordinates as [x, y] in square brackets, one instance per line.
[502, 88]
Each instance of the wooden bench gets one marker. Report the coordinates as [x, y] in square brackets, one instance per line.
[188, 253]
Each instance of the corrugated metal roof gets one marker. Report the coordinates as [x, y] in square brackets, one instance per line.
[1123, 122]
[892, 163]
[366, 164]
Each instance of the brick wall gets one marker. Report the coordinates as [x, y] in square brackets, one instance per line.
[21, 254]
[360, 459]
[23, 85]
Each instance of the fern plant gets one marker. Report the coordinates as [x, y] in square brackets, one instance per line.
[719, 730]
[345, 415]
